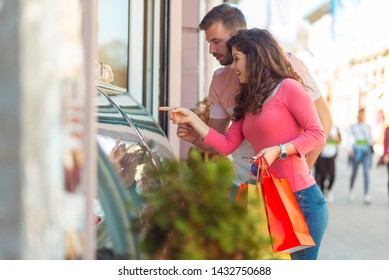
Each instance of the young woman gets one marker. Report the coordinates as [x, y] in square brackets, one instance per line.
[275, 113]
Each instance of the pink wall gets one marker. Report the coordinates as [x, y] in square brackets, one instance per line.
[190, 60]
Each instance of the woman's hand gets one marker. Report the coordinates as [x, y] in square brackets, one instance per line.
[181, 115]
[270, 154]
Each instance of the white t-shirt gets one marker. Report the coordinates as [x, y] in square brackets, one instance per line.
[331, 147]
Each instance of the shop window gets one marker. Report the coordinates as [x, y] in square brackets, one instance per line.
[112, 42]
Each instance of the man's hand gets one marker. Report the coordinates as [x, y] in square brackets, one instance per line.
[187, 133]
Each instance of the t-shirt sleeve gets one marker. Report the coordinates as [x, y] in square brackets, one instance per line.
[217, 110]
[306, 75]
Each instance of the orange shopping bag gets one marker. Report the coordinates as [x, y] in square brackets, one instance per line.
[287, 226]
[251, 193]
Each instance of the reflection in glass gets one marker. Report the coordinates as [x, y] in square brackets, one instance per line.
[103, 72]
[152, 135]
[112, 38]
[130, 141]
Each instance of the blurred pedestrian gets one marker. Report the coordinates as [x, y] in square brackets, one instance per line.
[384, 160]
[360, 142]
[325, 168]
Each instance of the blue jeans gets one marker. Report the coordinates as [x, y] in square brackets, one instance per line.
[315, 210]
[361, 156]
[313, 205]
[233, 192]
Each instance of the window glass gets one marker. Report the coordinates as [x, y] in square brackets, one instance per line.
[112, 41]
[119, 219]
[122, 144]
[151, 133]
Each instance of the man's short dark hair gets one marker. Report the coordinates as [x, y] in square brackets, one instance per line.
[231, 17]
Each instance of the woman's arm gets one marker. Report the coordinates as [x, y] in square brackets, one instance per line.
[183, 115]
[223, 143]
[301, 106]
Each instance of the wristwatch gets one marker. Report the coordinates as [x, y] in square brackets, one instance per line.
[283, 155]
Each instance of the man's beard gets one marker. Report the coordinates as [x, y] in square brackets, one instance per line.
[227, 60]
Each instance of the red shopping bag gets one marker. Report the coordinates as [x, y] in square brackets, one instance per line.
[287, 226]
[251, 195]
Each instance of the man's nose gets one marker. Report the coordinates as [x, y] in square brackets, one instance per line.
[212, 48]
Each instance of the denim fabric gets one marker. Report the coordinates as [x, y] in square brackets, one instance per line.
[233, 192]
[315, 210]
[313, 205]
[361, 151]
[361, 156]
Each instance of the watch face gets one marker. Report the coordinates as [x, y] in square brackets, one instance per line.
[283, 154]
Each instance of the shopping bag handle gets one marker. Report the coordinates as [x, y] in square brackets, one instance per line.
[264, 168]
[253, 172]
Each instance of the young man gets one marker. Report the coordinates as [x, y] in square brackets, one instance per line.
[220, 24]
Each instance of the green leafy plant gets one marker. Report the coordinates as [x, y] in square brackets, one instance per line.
[189, 215]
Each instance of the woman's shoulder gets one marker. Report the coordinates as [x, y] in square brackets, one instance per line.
[292, 85]
[290, 82]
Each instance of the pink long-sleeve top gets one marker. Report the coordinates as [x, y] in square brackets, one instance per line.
[289, 116]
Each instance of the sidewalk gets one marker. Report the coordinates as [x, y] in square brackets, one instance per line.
[357, 231]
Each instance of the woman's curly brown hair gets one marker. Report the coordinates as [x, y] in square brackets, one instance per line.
[267, 66]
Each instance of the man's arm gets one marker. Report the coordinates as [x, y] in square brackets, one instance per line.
[326, 121]
[220, 125]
